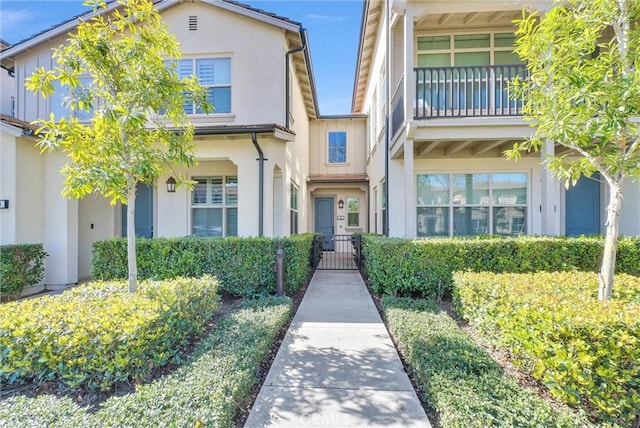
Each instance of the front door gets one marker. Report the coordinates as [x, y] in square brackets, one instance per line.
[583, 207]
[144, 212]
[324, 220]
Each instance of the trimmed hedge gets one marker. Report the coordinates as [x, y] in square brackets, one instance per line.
[585, 351]
[20, 266]
[99, 334]
[460, 380]
[243, 266]
[425, 267]
[208, 390]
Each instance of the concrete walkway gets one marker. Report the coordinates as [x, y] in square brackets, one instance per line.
[337, 366]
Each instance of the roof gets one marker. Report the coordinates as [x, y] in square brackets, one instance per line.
[10, 120]
[294, 34]
[338, 178]
[372, 13]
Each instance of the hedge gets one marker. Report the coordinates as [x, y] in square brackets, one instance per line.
[99, 334]
[207, 390]
[20, 266]
[460, 380]
[243, 266]
[585, 351]
[425, 267]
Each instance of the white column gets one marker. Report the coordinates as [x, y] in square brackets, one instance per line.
[409, 75]
[61, 227]
[8, 180]
[551, 220]
[396, 200]
[409, 191]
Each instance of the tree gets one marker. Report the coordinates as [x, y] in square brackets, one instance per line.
[583, 92]
[115, 66]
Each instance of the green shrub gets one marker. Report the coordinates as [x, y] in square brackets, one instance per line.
[208, 390]
[425, 267]
[585, 351]
[99, 334]
[459, 379]
[243, 266]
[20, 266]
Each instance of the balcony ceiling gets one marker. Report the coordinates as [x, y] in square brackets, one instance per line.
[430, 21]
[463, 148]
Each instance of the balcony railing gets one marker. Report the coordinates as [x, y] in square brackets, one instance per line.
[481, 90]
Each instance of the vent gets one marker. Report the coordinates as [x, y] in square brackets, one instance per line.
[193, 23]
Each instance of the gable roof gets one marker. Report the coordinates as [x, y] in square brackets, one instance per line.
[294, 34]
[372, 13]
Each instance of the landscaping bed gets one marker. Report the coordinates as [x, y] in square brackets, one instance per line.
[210, 387]
[458, 378]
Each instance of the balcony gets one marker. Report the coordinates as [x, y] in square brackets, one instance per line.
[468, 91]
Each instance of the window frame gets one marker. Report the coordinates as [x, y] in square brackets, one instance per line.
[329, 148]
[227, 182]
[294, 211]
[357, 212]
[492, 205]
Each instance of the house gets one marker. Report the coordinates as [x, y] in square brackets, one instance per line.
[265, 167]
[438, 70]
[419, 156]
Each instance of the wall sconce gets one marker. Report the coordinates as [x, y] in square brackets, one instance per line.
[340, 204]
[171, 185]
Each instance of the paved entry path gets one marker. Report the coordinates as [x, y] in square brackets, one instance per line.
[337, 366]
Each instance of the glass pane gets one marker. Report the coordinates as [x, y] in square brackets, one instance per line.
[471, 189]
[353, 205]
[433, 189]
[433, 222]
[471, 41]
[509, 221]
[207, 222]
[431, 43]
[337, 147]
[294, 197]
[501, 40]
[214, 71]
[353, 219]
[232, 190]
[185, 68]
[216, 190]
[434, 60]
[59, 101]
[470, 221]
[472, 58]
[220, 98]
[199, 193]
[509, 189]
[506, 57]
[232, 222]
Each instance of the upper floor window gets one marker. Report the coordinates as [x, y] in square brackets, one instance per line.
[467, 50]
[65, 95]
[215, 75]
[337, 147]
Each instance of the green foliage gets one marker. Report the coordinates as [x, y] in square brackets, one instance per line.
[460, 380]
[243, 266]
[207, 390]
[587, 352]
[96, 335]
[20, 266]
[424, 267]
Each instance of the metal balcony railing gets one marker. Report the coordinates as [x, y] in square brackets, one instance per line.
[481, 90]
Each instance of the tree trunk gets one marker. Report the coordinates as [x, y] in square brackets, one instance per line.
[607, 269]
[131, 235]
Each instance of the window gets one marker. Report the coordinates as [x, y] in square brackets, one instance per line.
[337, 147]
[293, 208]
[215, 75]
[353, 212]
[471, 204]
[384, 205]
[214, 206]
[375, 210]
[65, 95]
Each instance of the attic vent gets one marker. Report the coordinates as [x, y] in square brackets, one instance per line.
[193, 23]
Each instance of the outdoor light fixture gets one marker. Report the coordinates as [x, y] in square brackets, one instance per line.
[341, 204]
[171, 185]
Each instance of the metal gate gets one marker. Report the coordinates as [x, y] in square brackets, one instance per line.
[337, 252]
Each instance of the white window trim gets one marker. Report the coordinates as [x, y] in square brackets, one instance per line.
[224, 206]
[346, 150]
[356, 226]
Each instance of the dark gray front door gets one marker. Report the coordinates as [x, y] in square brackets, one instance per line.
[583, 207]
[324, 220]
[144, 212]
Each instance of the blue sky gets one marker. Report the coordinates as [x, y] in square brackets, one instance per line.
[333, 27]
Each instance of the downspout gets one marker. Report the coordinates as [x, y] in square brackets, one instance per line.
[303, 38]
[385, 226]
[261, 159]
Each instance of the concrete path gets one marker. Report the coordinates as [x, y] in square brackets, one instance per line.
[337, 366]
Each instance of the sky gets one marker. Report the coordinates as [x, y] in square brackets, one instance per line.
[333, 27]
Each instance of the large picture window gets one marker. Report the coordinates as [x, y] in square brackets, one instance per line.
[337, 147]
[214, 206]
[215, 75]
[471, 204]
